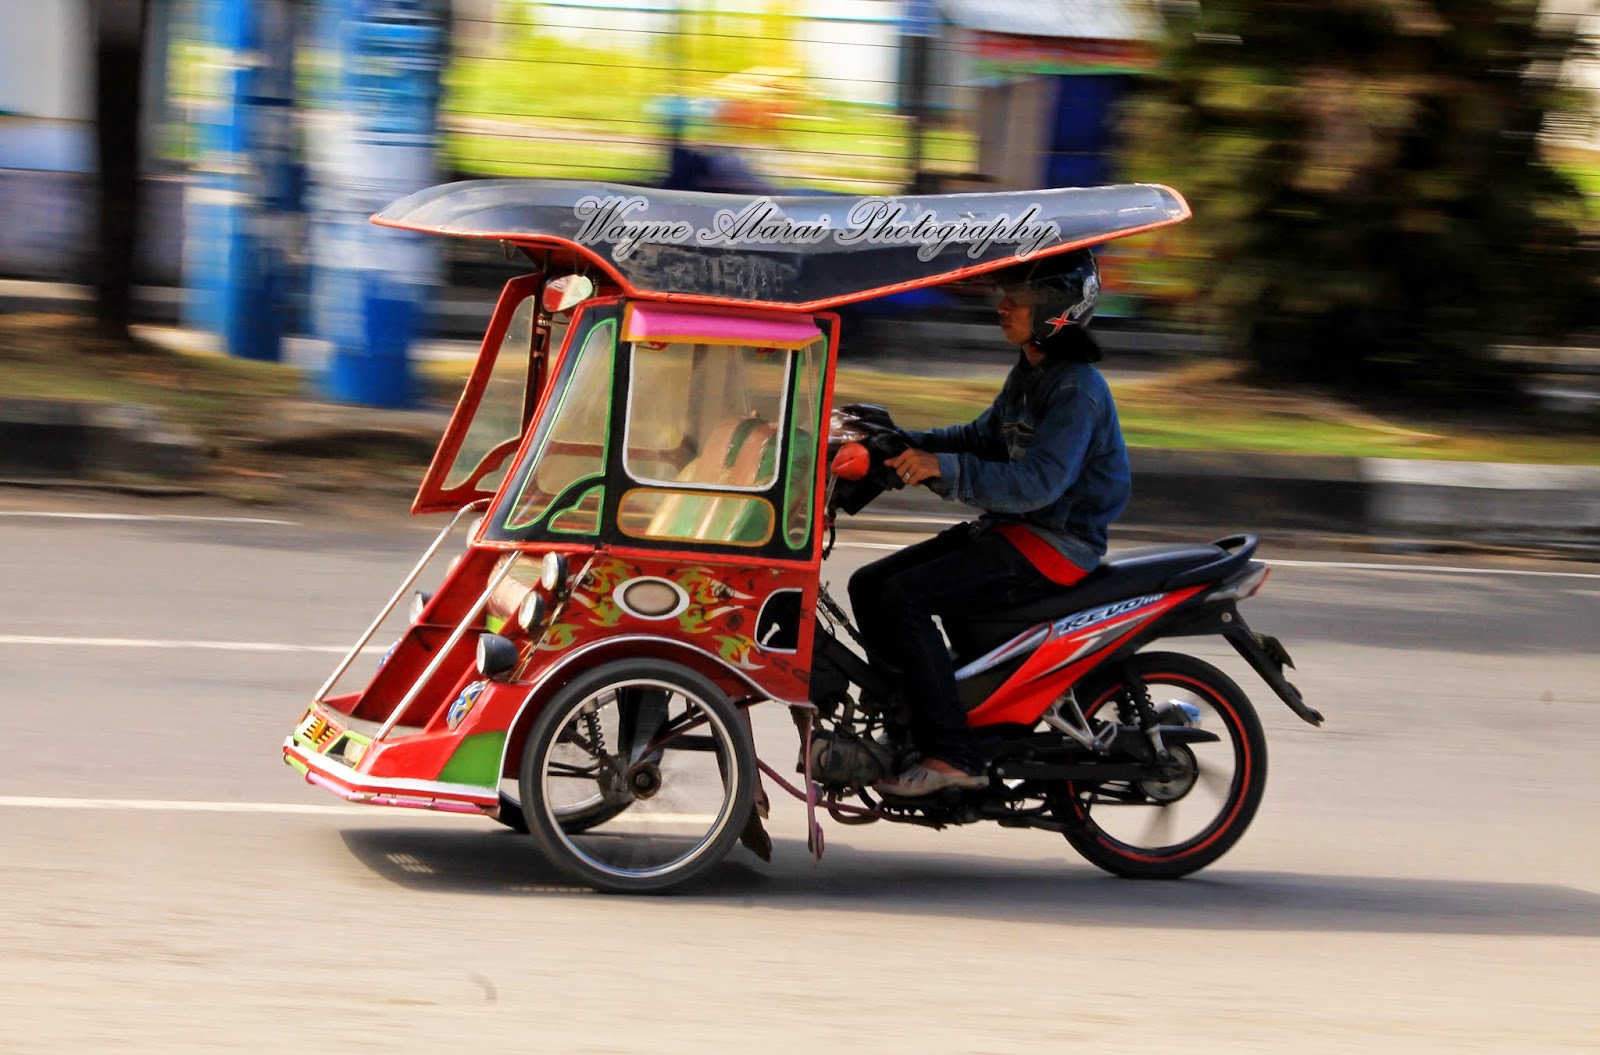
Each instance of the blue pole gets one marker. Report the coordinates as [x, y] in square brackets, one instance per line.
[375, 144]
[239, 195]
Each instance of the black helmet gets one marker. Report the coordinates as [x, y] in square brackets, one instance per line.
[1064, 289]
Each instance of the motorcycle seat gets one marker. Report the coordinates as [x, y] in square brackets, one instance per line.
[1121, 575]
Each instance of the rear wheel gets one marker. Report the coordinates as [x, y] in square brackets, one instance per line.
[653, 763]
[1168, 828]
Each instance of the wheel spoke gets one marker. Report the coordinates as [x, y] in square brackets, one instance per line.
[642, 715]
[566, 769]
[1214, 780]
[1158, 830]
[693, 742]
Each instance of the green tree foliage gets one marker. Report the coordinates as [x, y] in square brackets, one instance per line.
[1372, 209]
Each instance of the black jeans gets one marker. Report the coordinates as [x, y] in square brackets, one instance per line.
[895, 600]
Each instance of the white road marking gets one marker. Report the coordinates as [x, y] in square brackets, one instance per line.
[39, 802]
[42, 802]
[869, 519]
[172, 517]
[216, 646]
[1440, 569]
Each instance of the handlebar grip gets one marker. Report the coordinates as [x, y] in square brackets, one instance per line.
[852, 462]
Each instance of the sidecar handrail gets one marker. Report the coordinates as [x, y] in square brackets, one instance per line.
[455, 637]
[361, 642]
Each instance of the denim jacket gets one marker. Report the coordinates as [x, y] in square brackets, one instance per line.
[1048, 453]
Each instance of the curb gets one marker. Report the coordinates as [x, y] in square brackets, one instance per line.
[44, 438]
[1553, 508]
[1342, 502]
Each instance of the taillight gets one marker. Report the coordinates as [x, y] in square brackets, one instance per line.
[1243, 585]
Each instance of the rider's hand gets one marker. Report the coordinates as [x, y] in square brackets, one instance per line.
[914, 466]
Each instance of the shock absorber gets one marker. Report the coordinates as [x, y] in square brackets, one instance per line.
[597, 741]
[1135, 708]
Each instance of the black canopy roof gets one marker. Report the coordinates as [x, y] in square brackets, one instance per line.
[807, 252]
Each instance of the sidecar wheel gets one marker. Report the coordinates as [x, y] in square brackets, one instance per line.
[1166, 829]
[678, 783]
[577, 819]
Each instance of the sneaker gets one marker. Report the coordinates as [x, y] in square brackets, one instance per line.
[919, 781]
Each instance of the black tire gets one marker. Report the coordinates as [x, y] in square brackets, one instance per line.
[571, 822]
[623, 853]
[1239, 791]
[511, 815]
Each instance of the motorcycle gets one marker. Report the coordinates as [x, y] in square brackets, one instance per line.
[1084, 732]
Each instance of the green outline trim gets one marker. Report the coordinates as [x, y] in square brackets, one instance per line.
[816, 440]
[555, 420]
[554, 528]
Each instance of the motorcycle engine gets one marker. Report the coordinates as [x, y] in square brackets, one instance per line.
[840, 759]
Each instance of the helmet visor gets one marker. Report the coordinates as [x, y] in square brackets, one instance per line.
[1019, 292]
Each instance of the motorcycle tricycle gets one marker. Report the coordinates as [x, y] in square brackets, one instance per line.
[649, 466]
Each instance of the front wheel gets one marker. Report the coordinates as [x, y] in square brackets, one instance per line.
[661, 742]
[1164, 829]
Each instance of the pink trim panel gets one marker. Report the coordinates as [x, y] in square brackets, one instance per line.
[375, 791]
[682, 323]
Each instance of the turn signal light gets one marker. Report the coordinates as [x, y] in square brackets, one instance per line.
[852, 462]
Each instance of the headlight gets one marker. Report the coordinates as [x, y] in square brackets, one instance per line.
[531, 612]
[419, 601]
[497, 656]
[553, 573]
[353, 750]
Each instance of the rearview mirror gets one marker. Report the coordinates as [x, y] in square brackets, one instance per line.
[563, 294]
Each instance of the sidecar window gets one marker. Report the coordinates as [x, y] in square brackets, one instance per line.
[705, 414]
[802, 482]
[734, 520]
[497, 424]
[570, 463]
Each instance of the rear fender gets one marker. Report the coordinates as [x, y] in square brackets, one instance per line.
[1187, 734]
[1265, 654]
[581, 659]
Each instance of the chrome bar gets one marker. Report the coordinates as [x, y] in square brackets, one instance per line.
[361, 642]
[454, 639]
[1079, 732]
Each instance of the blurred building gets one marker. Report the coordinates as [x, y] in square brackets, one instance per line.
[46, 134]
[1048, 77]
[801, 94]
[47, 143]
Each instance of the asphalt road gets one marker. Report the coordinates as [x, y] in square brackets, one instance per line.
[1423, 876]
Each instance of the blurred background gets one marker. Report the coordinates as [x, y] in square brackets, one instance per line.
[1394, 199]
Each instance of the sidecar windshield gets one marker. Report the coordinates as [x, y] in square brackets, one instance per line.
[695, 409]
[682, 438]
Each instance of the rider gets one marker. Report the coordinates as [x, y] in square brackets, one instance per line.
[1047, 465]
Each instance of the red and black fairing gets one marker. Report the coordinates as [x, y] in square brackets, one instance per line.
[1014, 663]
